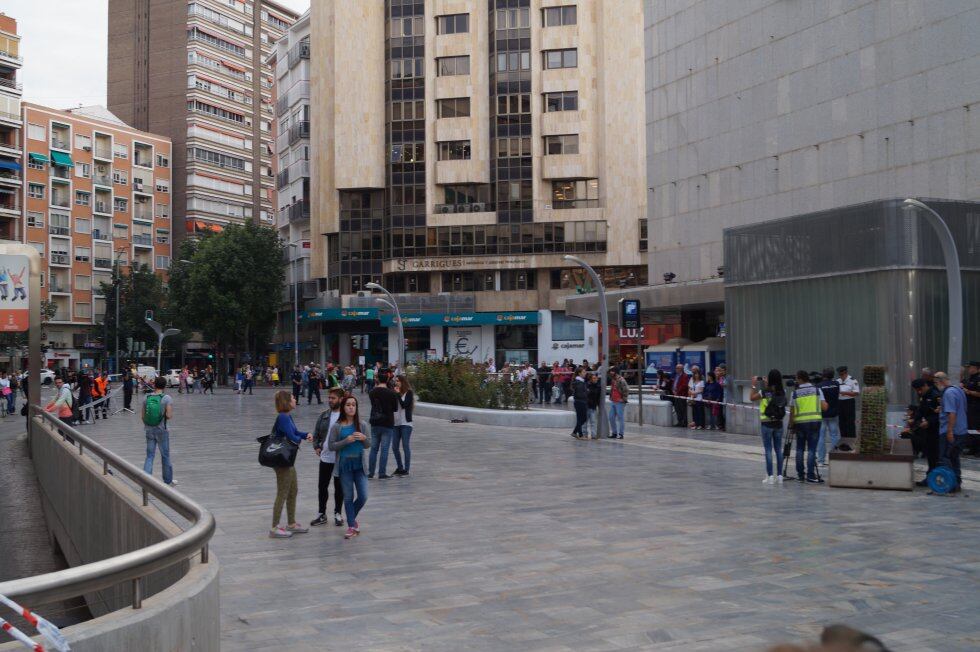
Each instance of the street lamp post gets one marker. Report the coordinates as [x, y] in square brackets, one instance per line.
[292, 278]
[161, 334]
[954, 286]
[398, 319]
[603, 425]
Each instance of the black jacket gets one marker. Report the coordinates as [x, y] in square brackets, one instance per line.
[579, 391]
[928, 408]
[384, 404]
[593, 396]
[408, 404]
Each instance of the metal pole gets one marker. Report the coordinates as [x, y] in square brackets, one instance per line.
[398, 317]
[116, 369]
[639, 370]
[603, 428]
[159, 352]
[954, 287]
[292, 272]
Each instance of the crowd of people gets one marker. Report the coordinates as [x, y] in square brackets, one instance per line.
[351, 450]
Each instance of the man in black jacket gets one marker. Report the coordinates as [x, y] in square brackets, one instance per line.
[580, 399]
[829, 425]
[927, 422]
[384, 404]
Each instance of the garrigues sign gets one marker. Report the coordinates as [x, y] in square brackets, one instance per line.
[481, 262]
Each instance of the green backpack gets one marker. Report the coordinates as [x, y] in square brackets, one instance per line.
[153, 410]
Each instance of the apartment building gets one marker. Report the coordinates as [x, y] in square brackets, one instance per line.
[11, 173]
[97, 193]
[290, 59]
[197, 72]
[462, 149]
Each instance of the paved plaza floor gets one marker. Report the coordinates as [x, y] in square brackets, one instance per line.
[525, 539]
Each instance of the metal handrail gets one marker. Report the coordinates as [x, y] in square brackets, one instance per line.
[128, 567]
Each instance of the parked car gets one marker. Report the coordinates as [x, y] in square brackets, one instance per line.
[147, 372]
[173, 378]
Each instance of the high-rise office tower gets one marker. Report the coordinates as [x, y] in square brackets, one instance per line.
[197, 73]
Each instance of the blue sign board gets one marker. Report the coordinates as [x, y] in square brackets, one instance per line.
[341, 314]
[658, 361]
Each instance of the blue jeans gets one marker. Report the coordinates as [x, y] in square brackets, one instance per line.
[402, 435]
[11, 402]
[617, 418]
[158, 436]
[380, 439]
[829, 429]
[772, 442]
[591, 423]
[807, 436]
[349, 480]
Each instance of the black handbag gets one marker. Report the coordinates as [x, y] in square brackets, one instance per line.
[277, 451]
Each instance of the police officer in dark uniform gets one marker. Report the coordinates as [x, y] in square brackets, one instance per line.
[927, 422]
[972, 388]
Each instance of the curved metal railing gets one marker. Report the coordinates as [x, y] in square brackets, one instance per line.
[128, 567]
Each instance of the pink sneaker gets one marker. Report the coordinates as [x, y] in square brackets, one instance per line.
[350, 534]
[357, 527]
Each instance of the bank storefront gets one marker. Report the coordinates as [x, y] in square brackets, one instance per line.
[352, 334]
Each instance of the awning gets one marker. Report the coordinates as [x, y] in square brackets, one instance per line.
[9, 165]
[60, 158]
[37, 158]
[208, 226]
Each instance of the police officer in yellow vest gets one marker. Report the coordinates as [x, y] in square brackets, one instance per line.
[806, 413]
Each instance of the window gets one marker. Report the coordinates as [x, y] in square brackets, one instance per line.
[218, 112]
[564, 144]
[120, 231]
[575, 193]
[563, 101]
[565, 328]
[448, 66]
[163, 161]
[410, 110]
[216, 158]
[83, 198]
[83, 142]
[163, 236]
[453, 24]
[121, 177]
[163, 210]
[35, 163]
[454, 107]
[643, 235]
[83, 283]
[468, 281]
[35, 191]
[517, 279]
[37, 132]
[512, 147]
[560, 59]
[556, 16]
[162, 185]
[454, 150]
[83, 254]
[83, 170]
[103, 255]
[163, 262]
[83, 225]
[513, 104]
[407, 68]
[513, 18]
[408, 152]
[408, 26]
[120, 204]
[83, 310]
[60, 224]
[35, 219]
[511, 61]
[120, 150]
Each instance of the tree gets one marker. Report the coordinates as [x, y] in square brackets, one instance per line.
[232, 287]
[139, 290]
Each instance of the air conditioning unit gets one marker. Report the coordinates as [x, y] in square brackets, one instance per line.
[445, 209]
[87, 148]
[479, 207]
[464, 208]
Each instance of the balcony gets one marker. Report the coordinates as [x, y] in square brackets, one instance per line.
[58, 287]
[59, 173]
[560, 204]
[61, 259]
[298, 131]
[102, 180]
[9, 205]
[11, 179]
[99, 234]
[299, 211]
[59, 230]
[104, 263]
[143, 240]
[59, 143]
[102, 207]
[299, 51]
[60, 200]
[102, 153]
[6, 82]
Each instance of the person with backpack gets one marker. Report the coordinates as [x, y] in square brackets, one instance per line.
[772, 410]
[384, 404]
[349, 439]
[158, 409]
[328, 460]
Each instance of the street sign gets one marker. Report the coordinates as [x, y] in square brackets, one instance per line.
[15, 313]
[629, 314]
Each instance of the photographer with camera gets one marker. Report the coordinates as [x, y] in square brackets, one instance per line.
[772, 409]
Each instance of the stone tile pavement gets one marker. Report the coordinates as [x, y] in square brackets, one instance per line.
[526, 539]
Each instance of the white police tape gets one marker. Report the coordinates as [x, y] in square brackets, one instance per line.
[46, 628]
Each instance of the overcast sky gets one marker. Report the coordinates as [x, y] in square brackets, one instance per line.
[64, 44]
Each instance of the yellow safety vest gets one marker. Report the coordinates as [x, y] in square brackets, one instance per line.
[808, 407]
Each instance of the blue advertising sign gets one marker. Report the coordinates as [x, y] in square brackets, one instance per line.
[462, 319]
[657, 361]
[342, 314]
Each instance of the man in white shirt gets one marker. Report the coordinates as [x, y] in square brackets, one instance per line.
[849, 390]
[327, 460]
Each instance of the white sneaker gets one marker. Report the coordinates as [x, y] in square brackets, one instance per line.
[767, 480]
[779, 479]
